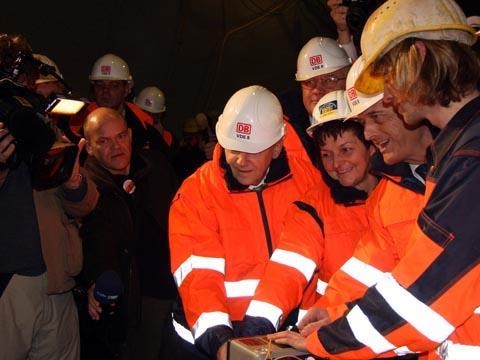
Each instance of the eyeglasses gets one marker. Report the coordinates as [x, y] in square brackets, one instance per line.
[328, 81]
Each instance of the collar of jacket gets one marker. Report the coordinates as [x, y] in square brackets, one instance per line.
[449, 135]
[401, 173]
[140, 166]
[279, 171]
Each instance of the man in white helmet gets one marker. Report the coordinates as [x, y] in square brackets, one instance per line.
[152, 100]
[322, 67]
[112, 83]
[392, 208]
[431, 299]
[225, 221]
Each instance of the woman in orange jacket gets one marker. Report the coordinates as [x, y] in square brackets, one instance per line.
[321, 228]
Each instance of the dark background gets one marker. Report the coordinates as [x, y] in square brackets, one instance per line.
[199, 52]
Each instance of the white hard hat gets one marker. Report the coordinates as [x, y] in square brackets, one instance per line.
[332, 106]
[151, 99]
[397, 20]
[358, 101]
[319, 56]
[251, 122]
[49, 78]
[110, 67]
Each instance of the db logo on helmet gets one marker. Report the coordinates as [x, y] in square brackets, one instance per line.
[243, 128]
[352, 96]
[316, 60]
[352, 93]
[105, 69]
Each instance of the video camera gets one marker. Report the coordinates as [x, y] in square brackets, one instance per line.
[22, 111]
[358, 14]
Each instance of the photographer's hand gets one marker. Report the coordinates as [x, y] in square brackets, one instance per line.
[339, 15]
[76, 178]
[7, 146]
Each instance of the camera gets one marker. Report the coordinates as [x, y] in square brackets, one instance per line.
[358, 14]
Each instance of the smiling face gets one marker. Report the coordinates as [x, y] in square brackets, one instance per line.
[250, 169]
[346, 159]
[391, 136]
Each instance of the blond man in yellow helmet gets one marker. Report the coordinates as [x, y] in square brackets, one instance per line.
[419, 53]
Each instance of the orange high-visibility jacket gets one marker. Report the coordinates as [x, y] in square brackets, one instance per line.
[294, 146]
[431, 299]
[319, 235]
[392, 210]
[222, 234]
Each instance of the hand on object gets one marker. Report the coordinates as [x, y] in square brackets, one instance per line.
[76, 177]
[94, 307]
[313, 320]
[291, 338]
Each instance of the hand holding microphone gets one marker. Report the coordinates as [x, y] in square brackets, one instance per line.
[103, 294]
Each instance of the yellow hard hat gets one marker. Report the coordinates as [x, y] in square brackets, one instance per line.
[396, 20]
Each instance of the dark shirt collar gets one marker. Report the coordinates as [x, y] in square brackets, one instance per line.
[140, 166]
[400, 173]
[448, 136]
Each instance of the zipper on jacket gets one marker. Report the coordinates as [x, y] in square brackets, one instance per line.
[265, 221]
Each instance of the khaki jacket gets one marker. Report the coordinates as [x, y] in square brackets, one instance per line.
[61, 242]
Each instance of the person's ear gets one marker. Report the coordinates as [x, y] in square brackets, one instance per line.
[88, 148]
[421, 49]
[277, 148]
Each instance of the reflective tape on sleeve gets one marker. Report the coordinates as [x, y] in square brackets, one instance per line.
[404, 350]
[266, 310]
[452, 351]
[198, 262]
[183, 332]
[425, 320]
[209, 319]
[241, 288]
[321, 287]
[294, 260]
[301, 314]
[362, 272]
[477, 311]
[365, 332]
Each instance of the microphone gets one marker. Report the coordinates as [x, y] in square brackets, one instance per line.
[108, 289]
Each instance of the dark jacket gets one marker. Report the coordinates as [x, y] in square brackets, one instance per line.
[128, 232]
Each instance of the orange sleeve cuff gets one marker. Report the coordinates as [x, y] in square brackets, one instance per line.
[335, 312]
[314, 345]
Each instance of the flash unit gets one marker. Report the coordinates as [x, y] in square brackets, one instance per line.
[61, 105]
